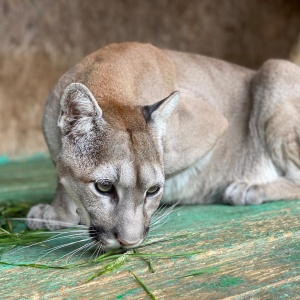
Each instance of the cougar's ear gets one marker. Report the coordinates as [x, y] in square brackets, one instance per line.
[158, 113]
[79, 110]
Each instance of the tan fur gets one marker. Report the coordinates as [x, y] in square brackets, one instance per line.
[233, 137]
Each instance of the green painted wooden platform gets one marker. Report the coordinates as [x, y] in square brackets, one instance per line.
[248, 252]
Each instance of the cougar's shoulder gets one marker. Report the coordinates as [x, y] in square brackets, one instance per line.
[120, 76]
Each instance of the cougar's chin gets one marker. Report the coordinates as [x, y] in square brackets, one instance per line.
[111, 244]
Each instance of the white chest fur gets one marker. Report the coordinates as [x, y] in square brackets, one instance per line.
[184, 184]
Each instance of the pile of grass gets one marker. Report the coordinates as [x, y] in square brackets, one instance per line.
[12, 210]
[16, 234]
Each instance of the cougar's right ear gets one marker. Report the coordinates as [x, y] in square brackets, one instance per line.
[79, 110]
[157, 114]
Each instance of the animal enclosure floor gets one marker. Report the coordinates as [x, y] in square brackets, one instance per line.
[248, 252]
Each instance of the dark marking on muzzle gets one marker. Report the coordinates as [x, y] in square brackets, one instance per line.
[146, 231]
[95, 232]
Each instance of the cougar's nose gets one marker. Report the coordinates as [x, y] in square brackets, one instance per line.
[126, 243]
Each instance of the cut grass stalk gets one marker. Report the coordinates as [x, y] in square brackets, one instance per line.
[147, 260]
[142, 284]
[166, 255]
[153, 241]
[151, 266]
[210, 270]
[9, 239]
[36, 266]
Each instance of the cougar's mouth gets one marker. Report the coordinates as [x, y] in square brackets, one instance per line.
[100, 236]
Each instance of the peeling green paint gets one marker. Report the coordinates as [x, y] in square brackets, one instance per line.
[228, 281]
[128, 293]
[4, 159]
[221, 283]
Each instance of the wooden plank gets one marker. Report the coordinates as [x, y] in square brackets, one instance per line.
[249, 253]
[32, 181]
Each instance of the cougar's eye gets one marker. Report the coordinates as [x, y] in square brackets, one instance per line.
[104, 188]
[153, 190]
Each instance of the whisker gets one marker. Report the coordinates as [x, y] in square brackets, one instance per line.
[99, 251]
[95, 250]
[161, 213]
[73, 252]
[56, 237]
[61, 231]
[157, 226]
[169, 209]
[164, 216]
[151, 235]
[161, 218]
[54, 222]
[62, 246]
[88, 248]
[157, 212]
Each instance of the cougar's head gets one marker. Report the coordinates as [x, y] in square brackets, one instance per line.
[111, 163]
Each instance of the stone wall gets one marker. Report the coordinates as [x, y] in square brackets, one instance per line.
[41, 39]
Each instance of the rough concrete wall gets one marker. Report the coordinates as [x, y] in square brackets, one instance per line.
[42, 39]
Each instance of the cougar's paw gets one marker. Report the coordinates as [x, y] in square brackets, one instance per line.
[242, 193]
[45, 216]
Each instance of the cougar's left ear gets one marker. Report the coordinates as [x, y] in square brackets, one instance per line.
[159, 112]
[79, 110]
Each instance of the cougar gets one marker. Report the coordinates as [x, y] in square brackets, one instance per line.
[133, 125]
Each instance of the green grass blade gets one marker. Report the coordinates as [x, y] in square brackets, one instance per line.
[108, 255]
[166, 255]
[150, 266]
[147, 260]
[37, 266]
[153, 241]
[146, 289]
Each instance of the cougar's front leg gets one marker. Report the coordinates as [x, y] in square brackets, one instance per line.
[62, 210]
